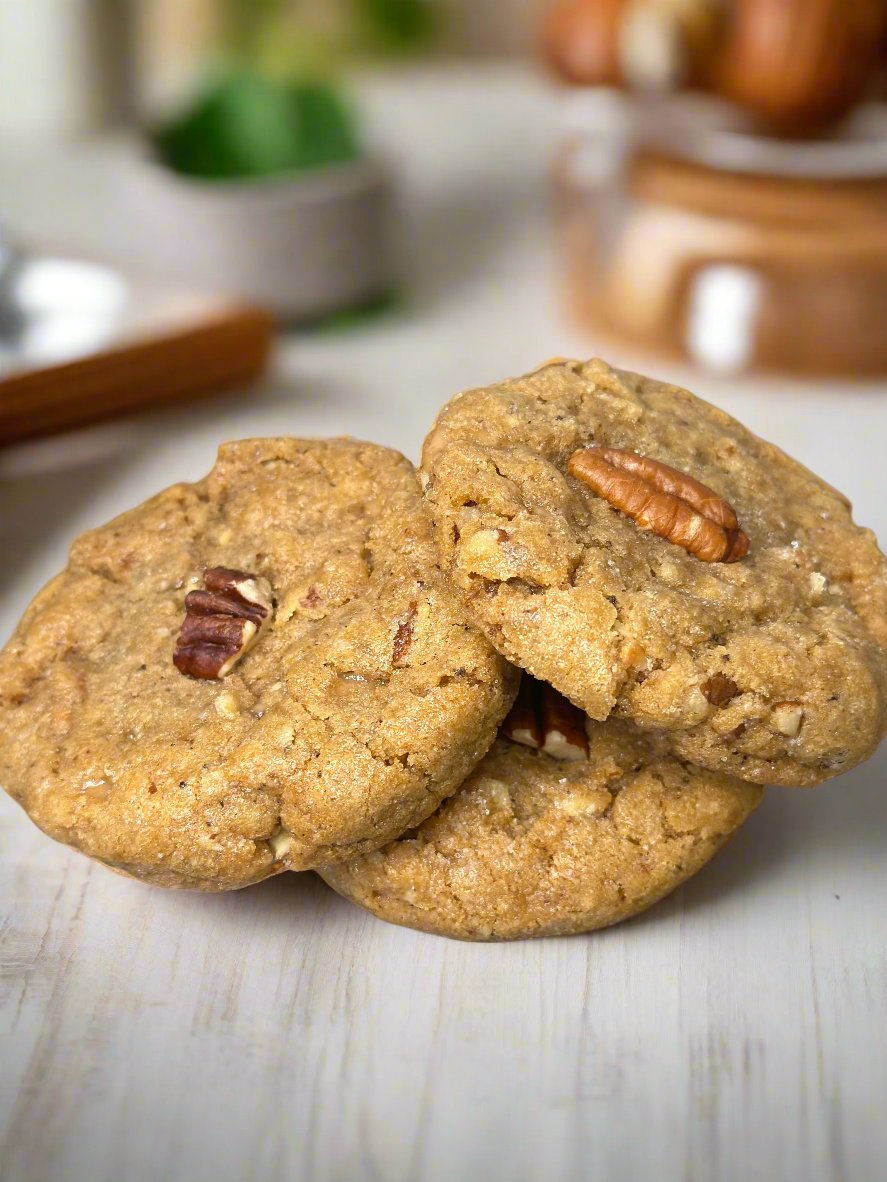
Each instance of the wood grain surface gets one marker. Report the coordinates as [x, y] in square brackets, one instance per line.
[735, 1033]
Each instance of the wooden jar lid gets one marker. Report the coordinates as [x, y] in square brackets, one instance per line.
[658, 178]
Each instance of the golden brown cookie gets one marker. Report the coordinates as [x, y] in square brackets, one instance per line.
[745, 619]
[326, 694]
[537, 846]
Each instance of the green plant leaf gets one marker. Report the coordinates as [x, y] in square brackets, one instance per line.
[325, 128]
[245, 125]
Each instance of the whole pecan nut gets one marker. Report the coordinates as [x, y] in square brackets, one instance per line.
[545, 720]
[222, 622]
[668, 503]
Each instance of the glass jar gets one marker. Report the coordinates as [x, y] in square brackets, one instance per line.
[688, 235]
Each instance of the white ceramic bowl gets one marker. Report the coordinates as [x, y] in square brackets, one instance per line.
[302, 245]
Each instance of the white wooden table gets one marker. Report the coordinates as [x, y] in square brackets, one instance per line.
[735, 1032]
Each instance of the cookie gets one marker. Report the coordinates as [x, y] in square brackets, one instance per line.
[650, 557]
[532, 845]
[261, 671]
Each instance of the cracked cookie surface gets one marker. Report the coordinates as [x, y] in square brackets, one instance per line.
[366, 701]
[771, 668]
[534, 846]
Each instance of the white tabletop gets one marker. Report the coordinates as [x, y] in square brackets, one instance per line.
[737, 1031]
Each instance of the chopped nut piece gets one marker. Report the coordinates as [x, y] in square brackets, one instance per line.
[563, 725]
[310, 599]
[787, 718]
[483, 545]
[281, 841]
[403, 637]
[719, 689]
[669, 503]
[584, 804]
[567, 362]
[696, 706]
[226, 705]
[499, 796]
[543, 719]
[222, 622]
[632, 654]
[670, 573]
[306, 600]
[818, 585]
[523, 724]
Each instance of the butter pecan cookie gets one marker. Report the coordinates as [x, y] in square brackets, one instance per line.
[538, 844]
[649, 556]
[261, 671]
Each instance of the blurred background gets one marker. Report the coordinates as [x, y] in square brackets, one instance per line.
[233, 218]
[715, 170]
[330, 215]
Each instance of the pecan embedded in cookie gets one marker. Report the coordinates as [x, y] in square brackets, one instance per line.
[322, 744]
[669, 503]
[532, 847]
[681, 625]
[222, 623]
[543, 719]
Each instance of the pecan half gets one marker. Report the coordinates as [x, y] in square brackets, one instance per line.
[669, 503]
[545, 720]
[222, 622]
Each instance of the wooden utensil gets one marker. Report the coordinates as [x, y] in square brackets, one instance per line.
[221, 347]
